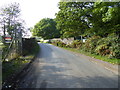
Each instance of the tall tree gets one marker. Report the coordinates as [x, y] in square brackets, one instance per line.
[46, 28]
[13, 26]
[104, 18]
[71, 19]
[10, 18]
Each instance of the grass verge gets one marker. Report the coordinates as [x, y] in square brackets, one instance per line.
[12, 67]
[104, 58]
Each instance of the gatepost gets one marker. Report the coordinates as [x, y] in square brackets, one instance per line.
[1, 45]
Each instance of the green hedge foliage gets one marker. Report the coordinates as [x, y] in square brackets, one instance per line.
[29, 46]
[107, 46]
[59, 43]
[76, 44]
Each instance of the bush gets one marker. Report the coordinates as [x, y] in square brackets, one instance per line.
[76, 44]
[109, 46]
[30, 46]
[90, 44]
[54, 42]
[115, 45]
[102, 50]
[59, 43]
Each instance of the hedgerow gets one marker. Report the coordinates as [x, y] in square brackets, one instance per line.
[108, 46]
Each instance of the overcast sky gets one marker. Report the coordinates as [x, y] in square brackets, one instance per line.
[33, 11]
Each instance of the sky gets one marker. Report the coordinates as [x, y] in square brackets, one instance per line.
[32, 11]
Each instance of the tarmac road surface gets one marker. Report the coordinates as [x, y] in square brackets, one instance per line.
[55, 67]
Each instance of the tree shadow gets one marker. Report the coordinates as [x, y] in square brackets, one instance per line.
[59, 78]
[54, 74]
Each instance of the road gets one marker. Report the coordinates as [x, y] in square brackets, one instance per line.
[58, 68]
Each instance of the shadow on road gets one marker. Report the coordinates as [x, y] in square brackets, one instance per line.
[50, 71]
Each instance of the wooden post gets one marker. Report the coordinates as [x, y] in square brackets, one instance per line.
[4, 32]
[81, 38]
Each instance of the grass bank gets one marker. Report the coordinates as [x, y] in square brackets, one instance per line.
[104, 58]
[103, 48]
[12, 67]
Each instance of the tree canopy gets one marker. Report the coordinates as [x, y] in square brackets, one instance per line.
[104, 18]
[9, 18]
[46, 28]
[71, 18]
[88, 18]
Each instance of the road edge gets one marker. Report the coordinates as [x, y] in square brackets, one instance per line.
[111, 67]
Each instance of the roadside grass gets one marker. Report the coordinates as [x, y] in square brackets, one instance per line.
[12, 67]
[104, 58]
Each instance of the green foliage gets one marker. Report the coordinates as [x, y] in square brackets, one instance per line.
[71, 18]
[104, 58]
[9, 19]
[90, 44]
[27, 44]
[104, 18]
[46, 28]
[59, 43]
[115, 45]
[98, 21]
[102, 50]
[12, 67]
[78, 18]
[108, 46]
[76, 44]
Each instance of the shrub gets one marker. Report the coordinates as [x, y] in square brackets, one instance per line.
[115, 45]
[76, 44]
[109, 46]
[27, 44]
[102, 50]
[59, 43]
[91, 44]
